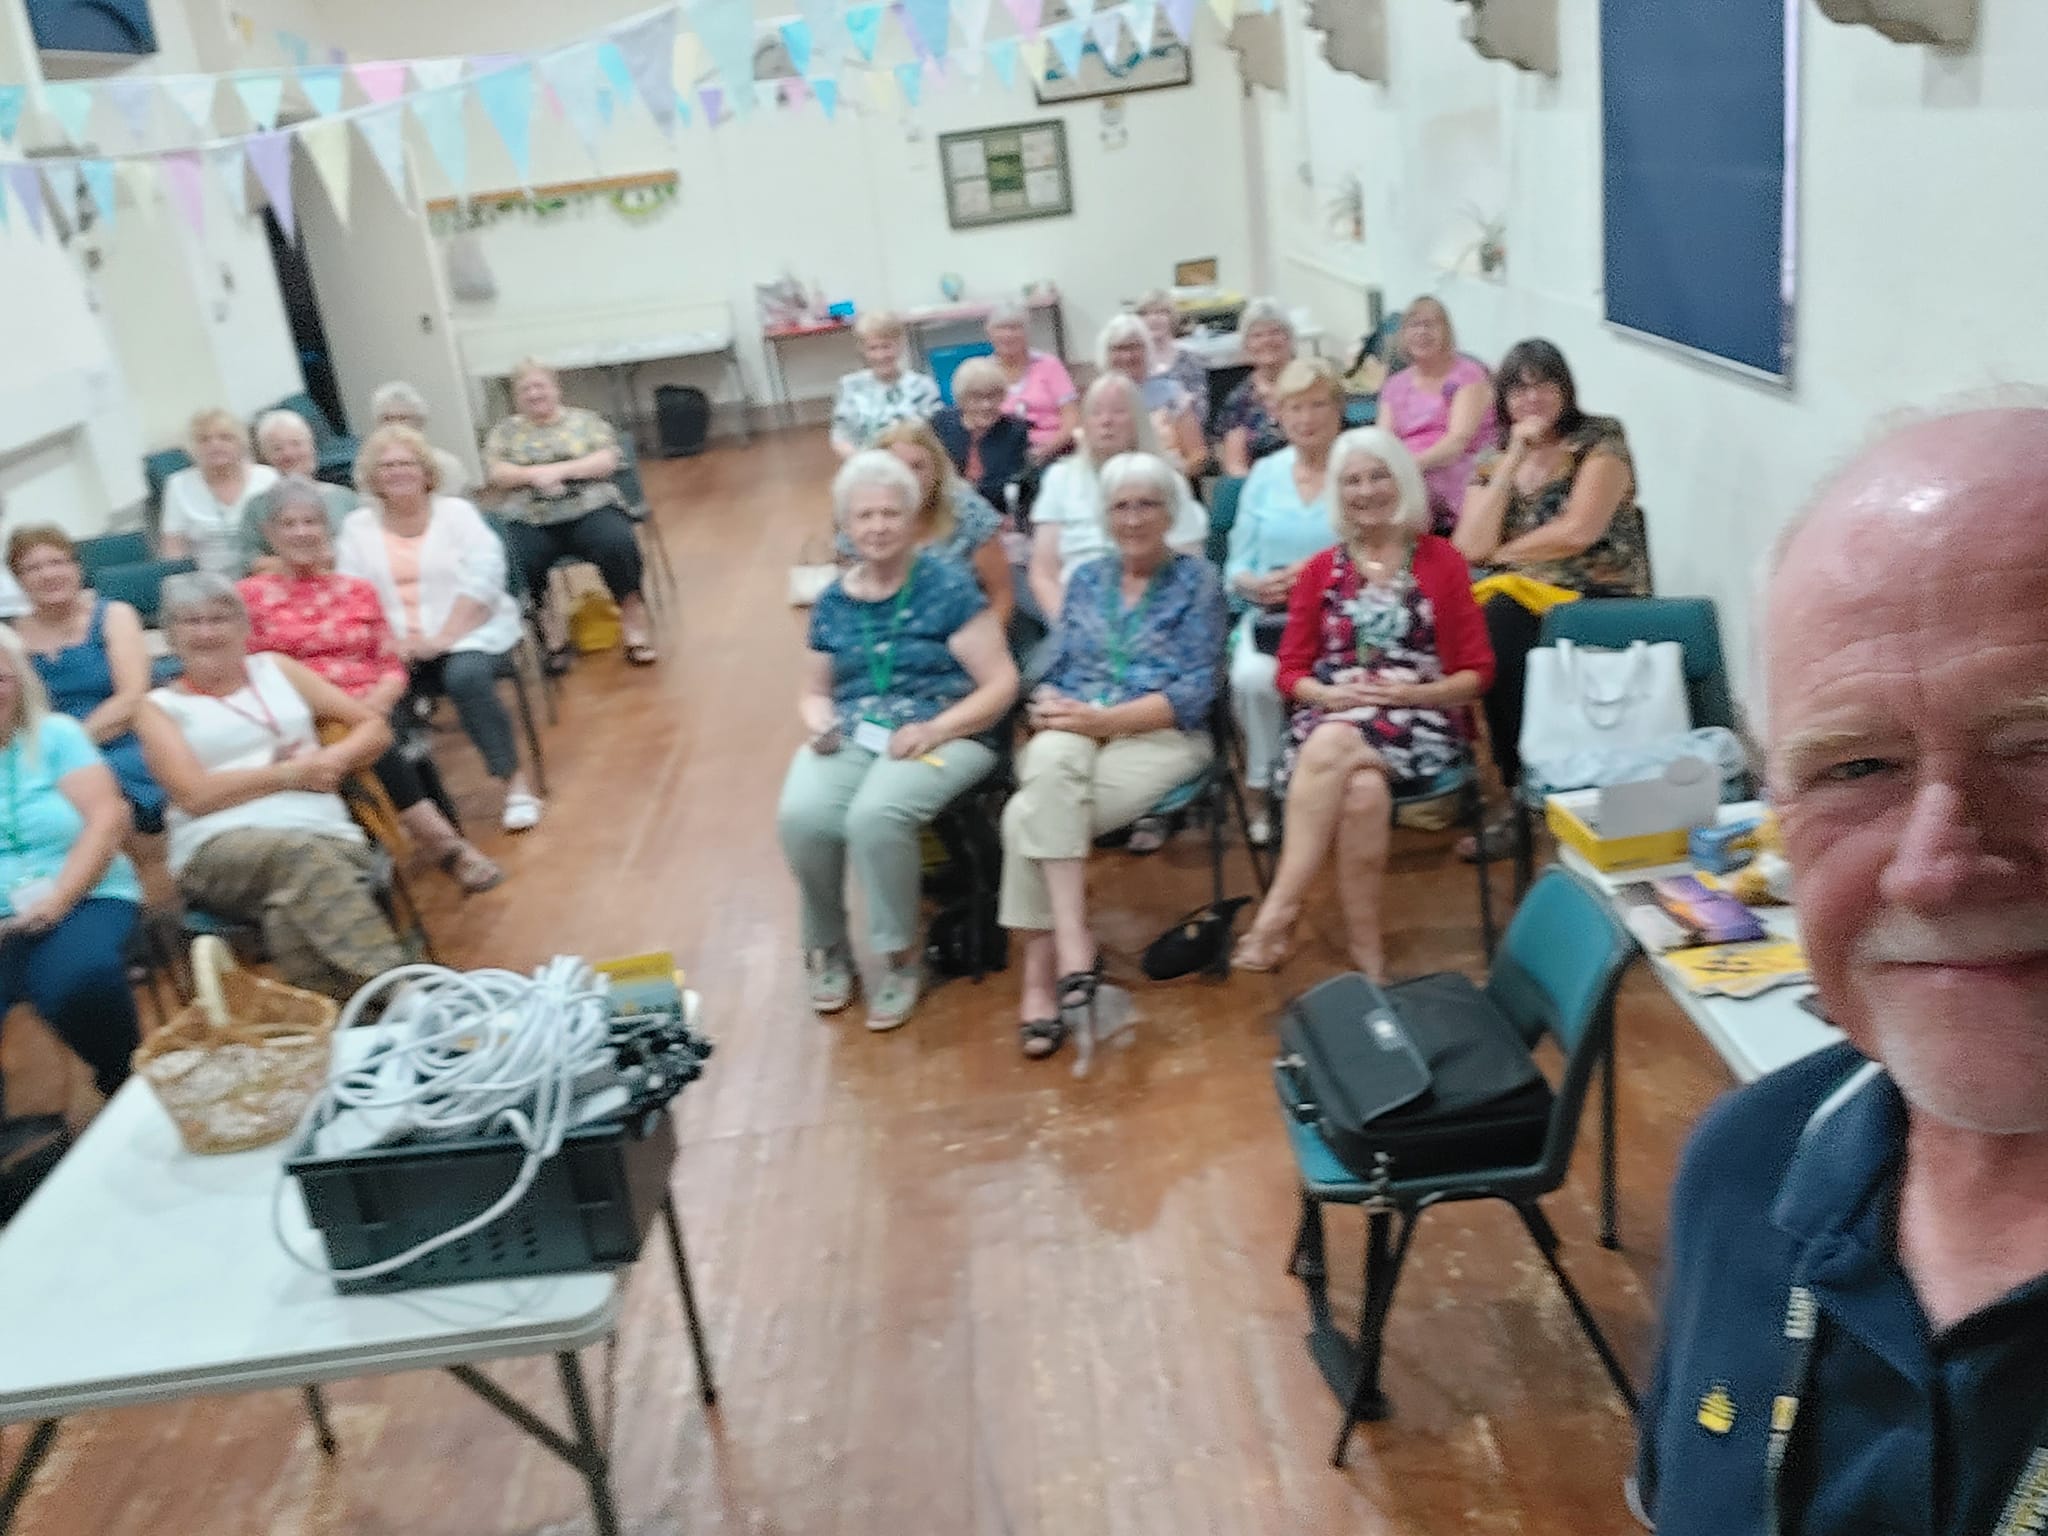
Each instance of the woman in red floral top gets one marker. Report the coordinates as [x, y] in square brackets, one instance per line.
[334, 624]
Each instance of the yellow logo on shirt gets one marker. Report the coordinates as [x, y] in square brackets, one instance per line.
[1717, 1411]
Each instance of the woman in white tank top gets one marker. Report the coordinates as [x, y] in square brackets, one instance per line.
[258, 833]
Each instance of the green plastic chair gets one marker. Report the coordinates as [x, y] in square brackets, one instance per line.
[1560, 964]
[1223, 495]
[95, 555]
[140, 585]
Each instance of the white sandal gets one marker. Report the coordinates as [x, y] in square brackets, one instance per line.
[522, 812]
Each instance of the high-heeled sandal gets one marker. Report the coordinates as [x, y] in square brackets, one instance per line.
[1075, 993]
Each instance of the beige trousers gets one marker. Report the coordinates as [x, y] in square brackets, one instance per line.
[1070, 790]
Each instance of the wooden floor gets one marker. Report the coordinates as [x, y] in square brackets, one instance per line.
[948, 1291]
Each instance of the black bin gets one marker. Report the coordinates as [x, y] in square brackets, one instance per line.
[682, 415]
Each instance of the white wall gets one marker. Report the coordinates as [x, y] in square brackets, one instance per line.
[1919, 259]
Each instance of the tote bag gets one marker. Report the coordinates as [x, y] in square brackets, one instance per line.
[1583, 698]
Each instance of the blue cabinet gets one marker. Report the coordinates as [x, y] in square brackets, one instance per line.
[93, 26]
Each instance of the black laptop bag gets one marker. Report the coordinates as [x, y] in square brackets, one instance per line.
[1425, 1079]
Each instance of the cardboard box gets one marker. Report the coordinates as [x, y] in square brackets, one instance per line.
[1570, 817]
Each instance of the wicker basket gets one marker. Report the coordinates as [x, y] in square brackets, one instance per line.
[237, 1068]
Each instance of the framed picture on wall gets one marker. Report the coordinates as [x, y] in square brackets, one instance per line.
[1130, 69]
[1000, 175]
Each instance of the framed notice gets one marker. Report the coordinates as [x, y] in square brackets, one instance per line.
[1000, 175]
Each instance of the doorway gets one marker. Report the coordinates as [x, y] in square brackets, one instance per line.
[302, 313]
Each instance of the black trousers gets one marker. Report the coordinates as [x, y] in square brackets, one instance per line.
[605, 538]
[1513, 630]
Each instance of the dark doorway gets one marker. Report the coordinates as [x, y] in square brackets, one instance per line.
[302, 313]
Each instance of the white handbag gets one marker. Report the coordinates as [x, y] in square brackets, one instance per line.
[1580, 699]
[810, 576]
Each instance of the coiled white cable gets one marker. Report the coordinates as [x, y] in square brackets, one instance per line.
[466, 1054]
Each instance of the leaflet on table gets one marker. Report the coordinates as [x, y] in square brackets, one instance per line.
[1680, 910]
[1738, 970]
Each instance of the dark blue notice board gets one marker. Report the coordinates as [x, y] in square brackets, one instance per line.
[1698, 175]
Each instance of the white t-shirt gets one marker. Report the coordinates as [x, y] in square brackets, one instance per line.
[245, 730]
[191, 511]
[1069, 498]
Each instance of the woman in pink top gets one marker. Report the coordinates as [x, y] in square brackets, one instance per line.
[1041, 390]
[1441, 407]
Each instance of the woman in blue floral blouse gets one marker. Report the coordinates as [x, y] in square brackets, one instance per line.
[907, 668]
[1121, 718]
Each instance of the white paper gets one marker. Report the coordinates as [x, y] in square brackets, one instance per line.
[872, 737]
[965, 159]
[1687, 794]
[1042, 189]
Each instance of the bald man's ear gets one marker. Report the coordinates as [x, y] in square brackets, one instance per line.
[1951, 23]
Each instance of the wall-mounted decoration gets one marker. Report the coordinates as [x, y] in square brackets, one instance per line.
[1518, 32]
[1000, 175]
[1951, 23]
[1156, 69]
[1354, 36]
[1261, 49]
[633, 198]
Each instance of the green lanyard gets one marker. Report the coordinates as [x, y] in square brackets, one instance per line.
[881, 653]
[1122, 626]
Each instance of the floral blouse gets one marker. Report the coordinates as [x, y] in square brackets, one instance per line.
[1618, 563]
[866, 405]
[1172, 639]
[571, 435]
[1242, 407]
[334, 624]
[900, 642]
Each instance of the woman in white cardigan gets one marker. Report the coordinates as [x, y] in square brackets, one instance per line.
[439, 571]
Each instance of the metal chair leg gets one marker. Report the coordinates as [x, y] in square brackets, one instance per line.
[1488, 933]
[591, 1459]
[1545, 1237]
[1610, 1218]
[525, 703]
[707, 1389]
[33, 1455]
[1367, 1403]
[323, 1431]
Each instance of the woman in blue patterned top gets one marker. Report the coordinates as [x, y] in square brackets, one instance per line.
[907, 666]
[1121, 719]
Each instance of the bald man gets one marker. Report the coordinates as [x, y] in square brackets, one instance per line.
[1856, 1317]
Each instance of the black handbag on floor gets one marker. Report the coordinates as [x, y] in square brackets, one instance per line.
[1423, 1078]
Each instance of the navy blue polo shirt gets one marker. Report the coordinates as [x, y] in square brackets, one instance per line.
[1898, 1431]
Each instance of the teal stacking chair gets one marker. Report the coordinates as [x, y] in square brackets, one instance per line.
[95, 555]
[140, 585]
[1559, 966]
[1223, 495]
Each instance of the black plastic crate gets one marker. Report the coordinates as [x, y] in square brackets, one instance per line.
[589, 1208]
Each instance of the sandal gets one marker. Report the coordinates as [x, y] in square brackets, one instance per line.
[1258, 953]
[1148, 835]
[471, 869]
[1039, 1038]
[1504, 835]
[641, 653]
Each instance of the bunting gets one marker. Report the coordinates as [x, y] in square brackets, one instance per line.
[507, 99]
[1180, 15]
[828, 32]
[99, 186]
[827, 92]
[864, 26]
[382, 83]
[322, 89]
[973, 19]
[262, 98]
[327, 146]
[574, 75]
[440, 114]
[270, 157]
[796, 41]
[927, 22]
[711, 98]
[437, 74]
[11, 99]
[649, 48]
[383, 134]
[230, 166]
[70, 102]
[188, 191]
[1143, 16]
[1067, 40]
[1107, 30]
[61, 177]
[193, 96]
[611, 65]
[1032, 51]
[910, 80]
[28, 191]
[1002, 56]
[726, 29]
[1027, 14]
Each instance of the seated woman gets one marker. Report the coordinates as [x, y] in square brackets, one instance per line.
[906, 678]
[1384, 647]
[1121, 718]
[284, 441]
[204, 505]
[1067, 529]
[1441, 408]
[1037, 386]
[90, 657]
[990, 449]
[258, 832]
[952, 519]
[439, 571]
[69, 898]
[1556, 503]
[1283, 520]
[555, 463]
[398, 404]
[1170, 359]
[334, 625]
[1126, 348]
[1248, 426]
[882, 393]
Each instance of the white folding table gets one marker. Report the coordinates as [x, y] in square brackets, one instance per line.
[140, 1273]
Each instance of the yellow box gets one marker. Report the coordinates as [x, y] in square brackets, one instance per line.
[1563, 814]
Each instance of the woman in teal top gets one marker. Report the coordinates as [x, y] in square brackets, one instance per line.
[1283, 520]
[69, 896]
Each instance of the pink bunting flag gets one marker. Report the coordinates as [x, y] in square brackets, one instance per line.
[1026, 14]
[182, 177]
[270, 157]
[794, 92]
[382, 82]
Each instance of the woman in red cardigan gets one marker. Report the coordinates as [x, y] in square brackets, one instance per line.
[1384, 647]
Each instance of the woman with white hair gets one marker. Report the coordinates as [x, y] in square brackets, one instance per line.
[906, 681]
[1248, 426]
[284, 441]
[1383, 650]
[1121, 717]
[399, 404]
[882, 393]
[989, 448]
[68, 897]
[205, 506]
[1040, 389]
[1170, 359]
[259, 833]
[1125, 347]
[1067, 529]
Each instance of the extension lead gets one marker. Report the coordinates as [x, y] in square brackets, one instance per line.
[465, 1054]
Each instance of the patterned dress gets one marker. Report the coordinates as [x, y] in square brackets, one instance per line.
[1242, 407]
[1618, 563]
[1382, 631]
